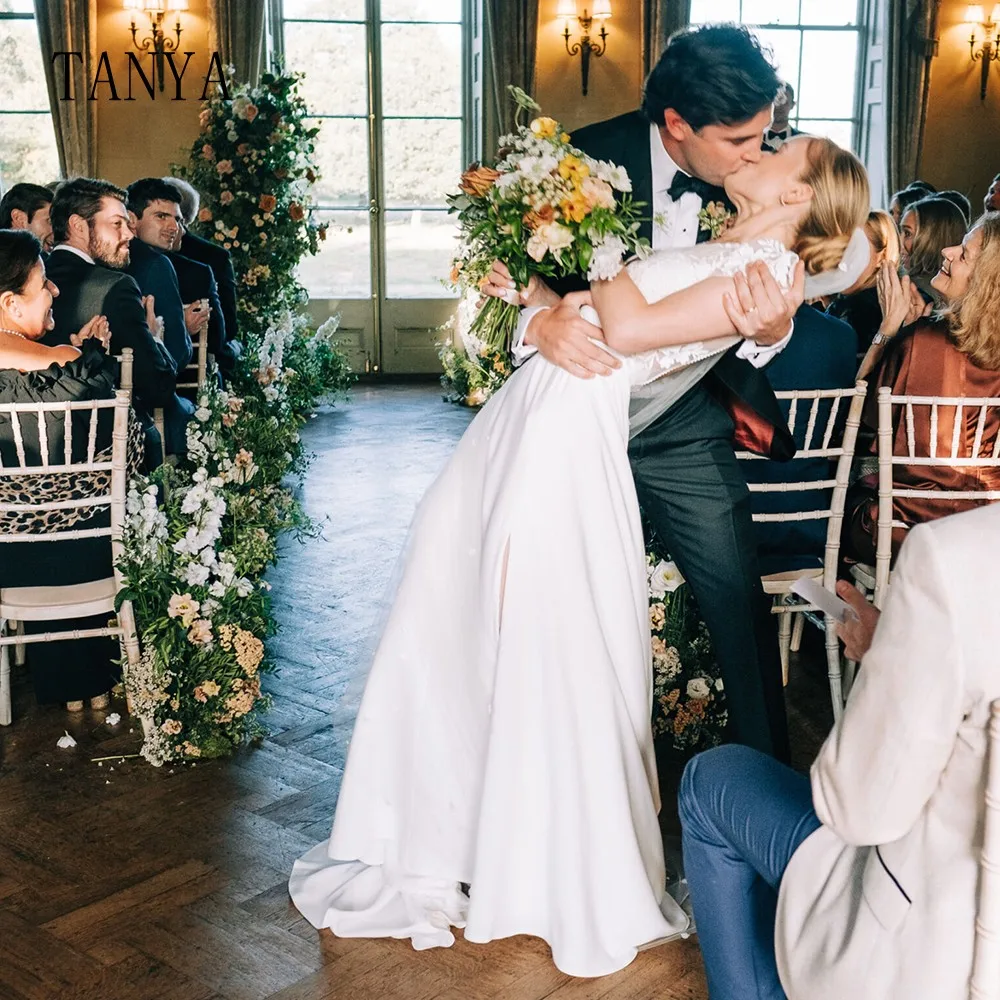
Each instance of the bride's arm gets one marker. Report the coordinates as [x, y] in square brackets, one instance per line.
[631, 324]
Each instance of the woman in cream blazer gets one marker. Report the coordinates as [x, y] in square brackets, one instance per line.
[859, 883]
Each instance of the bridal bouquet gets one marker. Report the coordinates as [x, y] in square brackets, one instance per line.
[545, 209]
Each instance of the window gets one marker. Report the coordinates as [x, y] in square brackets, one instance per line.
[385, 81]
[27, 140]
[815, 45]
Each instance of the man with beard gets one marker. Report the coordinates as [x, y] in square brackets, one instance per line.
[91, 231]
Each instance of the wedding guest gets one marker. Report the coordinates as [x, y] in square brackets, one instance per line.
[991, 203]
[781, 129]
[959, 199]
[90, 226]
[30, 372]
[26, 206]
[152, 220]
[217, 257]
[859, 305]
[861, 879]
[927, 227]
[919, 185]
[902, 200]
[956, 354]
[822, 354]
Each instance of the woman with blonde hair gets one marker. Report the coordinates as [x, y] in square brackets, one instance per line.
[925, 229]
[956, 353]
[504, 738]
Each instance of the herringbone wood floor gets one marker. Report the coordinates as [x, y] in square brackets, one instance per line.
[122, 882]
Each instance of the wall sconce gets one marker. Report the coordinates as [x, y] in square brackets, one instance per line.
[989, 51]
[601, 11]
[156, 41]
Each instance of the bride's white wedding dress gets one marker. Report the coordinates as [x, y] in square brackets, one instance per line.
[504, 736]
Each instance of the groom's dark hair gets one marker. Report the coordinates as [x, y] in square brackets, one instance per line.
[717, 74]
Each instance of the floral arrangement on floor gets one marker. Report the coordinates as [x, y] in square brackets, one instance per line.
[689, 708]
[545, 209]
[200, 534]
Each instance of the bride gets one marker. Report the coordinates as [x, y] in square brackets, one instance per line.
[501, 775]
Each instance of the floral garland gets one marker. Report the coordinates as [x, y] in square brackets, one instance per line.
[198, 536]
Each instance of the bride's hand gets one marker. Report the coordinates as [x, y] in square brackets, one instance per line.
[500, 285]
[760, 310]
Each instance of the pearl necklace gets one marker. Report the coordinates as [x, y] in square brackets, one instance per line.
[13, 333]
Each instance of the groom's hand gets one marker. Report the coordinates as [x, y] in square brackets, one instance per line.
[761, 310]
[563, 337]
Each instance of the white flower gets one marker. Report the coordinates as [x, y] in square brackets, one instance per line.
[113, 719]
[614, 175]
[65, 742]
[698, 689]
[664, 579]
[202, 414]
[550, 237]
[607, 259]
[719, 685]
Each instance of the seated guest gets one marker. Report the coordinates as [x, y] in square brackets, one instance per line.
[902, 200]
[217, 258]
[991, 203]
[859, 305]
[149, 218]
[30, 372]
[91, 229]
[26, 206]
[821, 355]
[781, 129]
[861, 879]
[956, 354]
[927, 227]
[959, 199]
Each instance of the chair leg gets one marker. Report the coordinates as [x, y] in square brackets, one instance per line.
[18, 629]
[784, 642]
[800, 621]
[850, 672]
[834, 670]
[126, 619]
[5, 716]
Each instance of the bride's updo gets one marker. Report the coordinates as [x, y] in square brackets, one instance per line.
[840, 204]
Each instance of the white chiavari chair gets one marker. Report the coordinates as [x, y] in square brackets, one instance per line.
[818, 439]
[985, 983]
[193, 377]
[41, 604]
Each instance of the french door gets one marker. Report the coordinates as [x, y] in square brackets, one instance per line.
[387, 83]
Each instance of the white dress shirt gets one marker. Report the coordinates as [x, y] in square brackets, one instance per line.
[78, 252]
[675, 224]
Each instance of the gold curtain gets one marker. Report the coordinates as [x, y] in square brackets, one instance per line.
[511, 37]
[70, 26]
[661, 19]
[238, 35]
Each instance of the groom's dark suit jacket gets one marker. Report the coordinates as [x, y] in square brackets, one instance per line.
[744, 390]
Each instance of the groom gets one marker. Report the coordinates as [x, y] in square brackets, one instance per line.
[705, 108]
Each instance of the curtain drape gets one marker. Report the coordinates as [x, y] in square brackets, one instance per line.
[912, 26]
[661, 19]
[70, 26]
[511, 36]
[238, 28]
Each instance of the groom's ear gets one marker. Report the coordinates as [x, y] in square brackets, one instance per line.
[677, 128]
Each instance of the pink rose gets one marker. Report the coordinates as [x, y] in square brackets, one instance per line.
[251, 112]
[207, 153]
[224, 167]
[205, 215]
[243, 148]
[226, 197]
[205, 117]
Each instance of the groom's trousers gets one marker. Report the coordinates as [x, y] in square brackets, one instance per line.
[695, 496]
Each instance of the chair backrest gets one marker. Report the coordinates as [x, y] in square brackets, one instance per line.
[125, 377]
[198, 369]
[821, 411]
[93, 490]
[985, 984]
[966, 413]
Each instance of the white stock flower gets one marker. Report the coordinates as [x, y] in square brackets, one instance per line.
[664, 579]
[698, 689]
[65, 742]
[606, 261]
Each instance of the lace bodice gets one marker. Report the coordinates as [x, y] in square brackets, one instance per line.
[669, 270]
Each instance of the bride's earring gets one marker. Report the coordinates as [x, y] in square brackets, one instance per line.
[783, 202]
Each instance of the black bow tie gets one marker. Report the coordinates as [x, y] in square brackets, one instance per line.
[771, 134]
[683, 183]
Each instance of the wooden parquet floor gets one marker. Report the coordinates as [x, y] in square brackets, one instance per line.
[119, 881]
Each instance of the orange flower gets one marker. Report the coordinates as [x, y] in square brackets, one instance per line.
[267, 202]
[296, 212]
[542, 217]
[575, 208]
[454, 276]
[477, 181]
[205, 215]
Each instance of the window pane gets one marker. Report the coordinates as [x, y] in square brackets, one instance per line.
[714, 10]
[335, 62]
[342, 268]
[27, 149]
[820, 94]
[785, 47]
[770, 11]
[422, 69]
[829, 12]
[421, 10]
[325, 10]
[423, 161]
[839, 132]
[342, 159]
[22, 83]
[419, 247]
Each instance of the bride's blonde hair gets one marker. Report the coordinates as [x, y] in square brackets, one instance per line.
[840, 204]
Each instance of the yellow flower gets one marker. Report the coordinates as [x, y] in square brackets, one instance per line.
[544, 128]
[565, 137]
[210, 688]
[575, 209]
[573, 167]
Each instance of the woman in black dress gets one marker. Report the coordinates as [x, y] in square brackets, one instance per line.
[72, 670]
